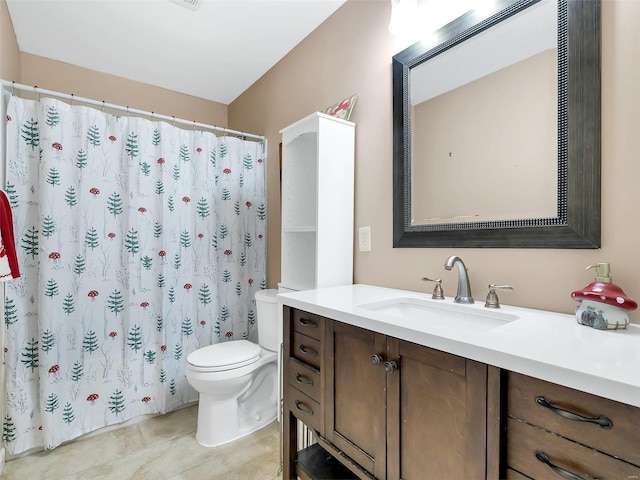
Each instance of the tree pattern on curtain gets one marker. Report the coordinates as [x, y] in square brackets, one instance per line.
[138, 242]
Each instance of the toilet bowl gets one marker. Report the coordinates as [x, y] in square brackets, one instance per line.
[237, 381]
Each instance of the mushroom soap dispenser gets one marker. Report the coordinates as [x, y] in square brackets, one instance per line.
[603, 305]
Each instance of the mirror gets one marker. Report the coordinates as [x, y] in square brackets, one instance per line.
[497, 130]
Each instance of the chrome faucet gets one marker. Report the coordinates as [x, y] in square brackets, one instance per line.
[464, 289]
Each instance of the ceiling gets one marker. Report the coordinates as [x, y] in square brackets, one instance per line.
[214, 52]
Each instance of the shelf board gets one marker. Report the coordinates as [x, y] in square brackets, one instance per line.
[302, 229]
[317, 463]
[296, 286]
[355, 469]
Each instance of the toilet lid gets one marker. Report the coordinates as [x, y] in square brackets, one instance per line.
[225, 356]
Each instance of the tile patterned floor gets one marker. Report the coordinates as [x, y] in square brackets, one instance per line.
[159, 448]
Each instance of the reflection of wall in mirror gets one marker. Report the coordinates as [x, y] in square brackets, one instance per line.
[488, 150]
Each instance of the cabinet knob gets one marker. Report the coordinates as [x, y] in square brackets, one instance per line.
[376, 360]
[390, 367]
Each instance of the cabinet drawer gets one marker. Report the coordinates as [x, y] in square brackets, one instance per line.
[306, 349]
[304, 378]
[308, 324]
[620, 440]
[526, 442]
[304, 408]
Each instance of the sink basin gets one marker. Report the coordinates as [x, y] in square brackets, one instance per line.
[415, 311]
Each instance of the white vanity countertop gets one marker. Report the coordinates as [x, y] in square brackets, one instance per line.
[546, 345]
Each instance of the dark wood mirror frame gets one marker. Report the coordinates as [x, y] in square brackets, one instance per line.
[577, 224]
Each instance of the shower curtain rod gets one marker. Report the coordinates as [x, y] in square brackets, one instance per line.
[9, 85]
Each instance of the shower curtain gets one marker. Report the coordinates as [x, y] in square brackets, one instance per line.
[138, 242]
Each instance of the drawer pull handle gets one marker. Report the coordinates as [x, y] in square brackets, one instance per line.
[601, 421]
[376, 360]
[308, 351]
[303, 380]
[308, 323]
[542, 457]
[303, 408]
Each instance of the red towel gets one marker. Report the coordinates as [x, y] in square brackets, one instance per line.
[8, 258]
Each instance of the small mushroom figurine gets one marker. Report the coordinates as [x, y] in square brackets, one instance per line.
[603, 305]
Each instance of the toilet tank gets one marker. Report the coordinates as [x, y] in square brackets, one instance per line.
[267, 310]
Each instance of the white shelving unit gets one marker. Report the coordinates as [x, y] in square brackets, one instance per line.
[317, 203]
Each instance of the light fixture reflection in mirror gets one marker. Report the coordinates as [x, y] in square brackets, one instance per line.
[403, 16]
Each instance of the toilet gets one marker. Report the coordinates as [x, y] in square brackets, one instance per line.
[237, 381]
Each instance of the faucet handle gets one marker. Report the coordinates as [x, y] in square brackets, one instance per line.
[438, 294]
[492, 297]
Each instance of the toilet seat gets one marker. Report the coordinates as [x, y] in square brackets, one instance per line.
[225, 356]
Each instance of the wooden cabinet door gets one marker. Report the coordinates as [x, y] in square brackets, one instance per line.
[437, 415]
[355, 397]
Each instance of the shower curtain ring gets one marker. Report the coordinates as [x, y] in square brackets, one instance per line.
[102, 106]
[13, 83]
[174, 120]
[70, 101]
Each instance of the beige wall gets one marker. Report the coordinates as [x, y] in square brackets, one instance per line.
[67, 78]
[351, 52]
[9, 56]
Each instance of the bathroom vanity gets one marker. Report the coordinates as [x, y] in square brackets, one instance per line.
[397, 385]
